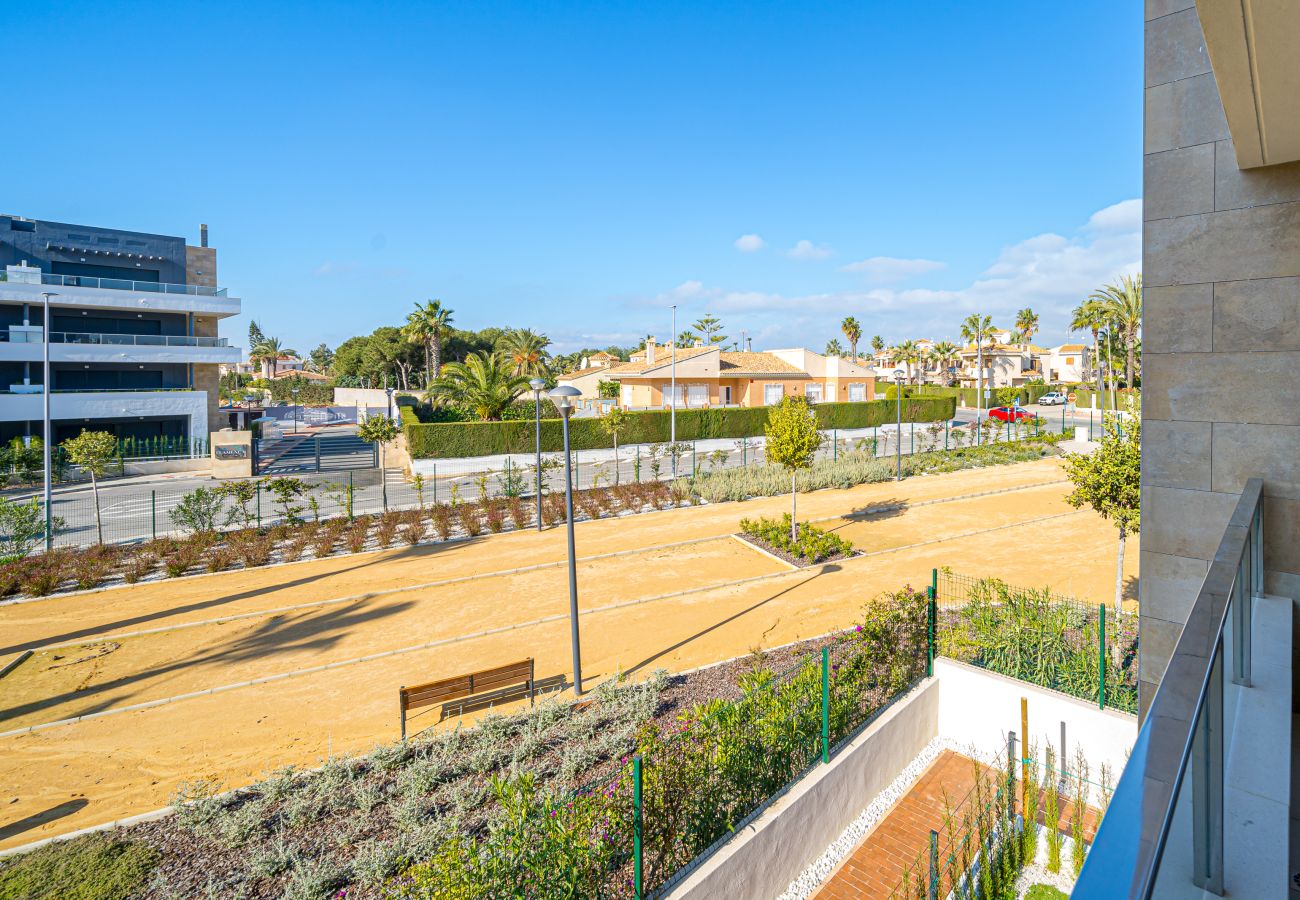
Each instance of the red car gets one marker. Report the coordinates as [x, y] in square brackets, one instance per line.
[1010, 414]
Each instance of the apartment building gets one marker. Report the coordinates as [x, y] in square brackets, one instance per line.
[133, 340]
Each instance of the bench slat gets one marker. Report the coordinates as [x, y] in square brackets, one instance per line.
[465, 685]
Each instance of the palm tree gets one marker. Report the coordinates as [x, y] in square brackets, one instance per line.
[877, 343]
[907, 352]
[485, 382]
[268, 351]
[975, 329]
[853, 331]
[687, 338]
[1123, 304]
[1090, 315]
[1027, 324]
[428, 325]
[943, 353]
[834, 348]
[526, 350]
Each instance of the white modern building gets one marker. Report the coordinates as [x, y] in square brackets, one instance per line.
[133, 337]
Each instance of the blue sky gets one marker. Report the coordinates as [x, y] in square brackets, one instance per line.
[574, 168]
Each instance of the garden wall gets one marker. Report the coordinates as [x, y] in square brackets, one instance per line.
[458, 439]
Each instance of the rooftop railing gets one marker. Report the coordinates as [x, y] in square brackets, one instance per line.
[1183, 738]
[122, 284]
[128, 340]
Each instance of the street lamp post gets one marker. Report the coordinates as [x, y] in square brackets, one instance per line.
[672, 344]
[563, 396]
[899, 375]
[537, 384]
[389, 392]
[46, 388]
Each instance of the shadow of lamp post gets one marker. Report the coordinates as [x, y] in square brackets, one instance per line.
[537, 384]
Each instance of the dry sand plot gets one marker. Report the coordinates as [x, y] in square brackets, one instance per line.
[648, 607]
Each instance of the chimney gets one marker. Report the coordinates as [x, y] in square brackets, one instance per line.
[203, 235]
[650, 350]
[698, 343]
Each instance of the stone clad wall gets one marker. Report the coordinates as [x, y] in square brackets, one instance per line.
[1221, 338]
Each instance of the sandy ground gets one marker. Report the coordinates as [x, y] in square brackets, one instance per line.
[373, 617]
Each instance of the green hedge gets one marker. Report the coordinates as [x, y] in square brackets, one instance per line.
[457, 439]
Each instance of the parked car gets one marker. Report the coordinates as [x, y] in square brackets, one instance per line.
[1010, 414]
[1053, 398]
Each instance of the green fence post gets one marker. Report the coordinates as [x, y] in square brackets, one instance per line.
[911, 436]
[351, 490]
[1011, 775]
[930, 612]
[636, 469]
[826, 704]
[835, 444]
[638, 884]
[945, 434]
[434, 480]
[934, 581]
[1063, 406]
[934, 865]
[695, 462]
[258, 487]
[744, 451]
[1101, 655]
[153, 513]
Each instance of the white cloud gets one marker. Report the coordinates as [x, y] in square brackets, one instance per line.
[884, 269]
[808, 250]
[1051, 273]
[749, 243]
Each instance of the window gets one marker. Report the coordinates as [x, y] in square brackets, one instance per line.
[726, 394]
[814, 393]
[773, 394]
[19, 225]
[1069, 360]
[627, 394]
[668, 395]
[697, 395]
[857, 392]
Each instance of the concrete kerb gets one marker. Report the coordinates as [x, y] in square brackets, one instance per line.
[15, 663]
[812, 571]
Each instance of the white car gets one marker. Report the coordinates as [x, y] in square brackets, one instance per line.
[1053, 398]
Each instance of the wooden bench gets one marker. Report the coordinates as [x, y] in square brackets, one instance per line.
[500, 679]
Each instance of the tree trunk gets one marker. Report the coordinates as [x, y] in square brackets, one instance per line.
[428, 367]
[1096, 359]
[615, 458]
[383, 481]
[1119, 581]
[94, 490]
[794, 505]
[436, 345]
[1129, 362]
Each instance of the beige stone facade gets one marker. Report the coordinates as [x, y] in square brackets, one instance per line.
[1221, 337]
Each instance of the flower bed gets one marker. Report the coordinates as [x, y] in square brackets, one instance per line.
[485, 811]
[811, 546]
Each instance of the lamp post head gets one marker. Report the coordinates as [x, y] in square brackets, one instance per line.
[563, 397]
[536, 384]
[899, 374]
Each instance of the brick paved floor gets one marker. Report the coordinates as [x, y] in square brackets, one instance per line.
[874, 869]
[876, 865]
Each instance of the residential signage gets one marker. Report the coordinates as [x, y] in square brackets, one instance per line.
[232, 451]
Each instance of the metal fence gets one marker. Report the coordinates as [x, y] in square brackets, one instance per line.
[1033, 635]
[689, 790]
[138, 511]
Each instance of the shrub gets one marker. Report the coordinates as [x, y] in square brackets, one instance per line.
[416, 527]
[519, 513]
[198, 510]
[358, 533]
[459, 439]
[139, 565]
[219, 558]
[94, 867]
[47, 572]
[441, 515]
[386, 532]
[812, 546]
[494, 513]
[470, 519]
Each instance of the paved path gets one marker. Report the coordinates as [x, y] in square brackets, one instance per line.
[156, 669]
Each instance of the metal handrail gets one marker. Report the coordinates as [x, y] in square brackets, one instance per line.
[1184, 729]
[122, 284]
[109, 339]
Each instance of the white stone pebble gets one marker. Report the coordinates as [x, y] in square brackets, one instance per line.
[812, 877]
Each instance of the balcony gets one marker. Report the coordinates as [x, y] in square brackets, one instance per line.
[25, 344]
[117, 284]
[26, 403]
[115, 340]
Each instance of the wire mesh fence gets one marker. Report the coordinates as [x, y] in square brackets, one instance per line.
[1033, 635]
[137, 511]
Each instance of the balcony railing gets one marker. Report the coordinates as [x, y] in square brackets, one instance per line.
[121, 284]
[1184, 734]
[36, 389]
[116, 340]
